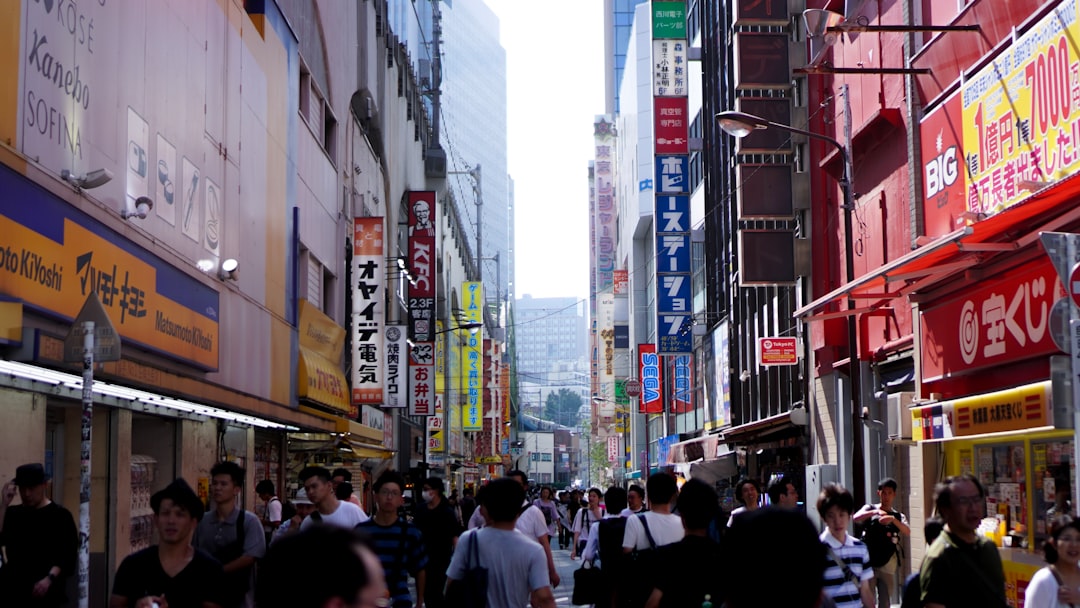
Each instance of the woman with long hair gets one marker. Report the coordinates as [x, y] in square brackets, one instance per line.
[1058, 584]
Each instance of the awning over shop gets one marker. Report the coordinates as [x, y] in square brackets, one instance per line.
[1023, 408]
[347, 447]
[693, 450]
[321, 381]
[752, 430]
[971, 246]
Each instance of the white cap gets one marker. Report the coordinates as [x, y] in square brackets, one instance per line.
[301, 498]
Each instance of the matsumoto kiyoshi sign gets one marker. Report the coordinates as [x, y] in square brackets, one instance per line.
[52, 256]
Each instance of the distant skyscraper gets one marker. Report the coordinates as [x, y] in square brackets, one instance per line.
[474, 127]
[618, 19]
[549, 332]
[473, 116]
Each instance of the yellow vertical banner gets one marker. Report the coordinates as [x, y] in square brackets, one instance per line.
[440, 358]
[472, 415]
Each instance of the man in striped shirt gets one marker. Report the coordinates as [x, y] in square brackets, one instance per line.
[398, 543]
[848, 575]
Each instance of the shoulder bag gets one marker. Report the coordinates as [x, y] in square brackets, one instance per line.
[471, 590]
[587, 585]
[1053, 570]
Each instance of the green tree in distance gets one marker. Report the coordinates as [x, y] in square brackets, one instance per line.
[562, 407]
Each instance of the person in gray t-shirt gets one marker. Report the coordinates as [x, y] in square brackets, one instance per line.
[516, 565]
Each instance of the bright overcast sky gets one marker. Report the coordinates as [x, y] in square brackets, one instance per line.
[555, 77]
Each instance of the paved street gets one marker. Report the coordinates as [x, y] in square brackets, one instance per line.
[566, 568]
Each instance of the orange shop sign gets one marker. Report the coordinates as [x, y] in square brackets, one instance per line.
[778, 351]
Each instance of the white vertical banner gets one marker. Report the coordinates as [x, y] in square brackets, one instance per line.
[396, 358]
[605, 332]
[368, 287]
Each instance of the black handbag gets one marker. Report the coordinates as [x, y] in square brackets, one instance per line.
[587, 585]
[471, 590]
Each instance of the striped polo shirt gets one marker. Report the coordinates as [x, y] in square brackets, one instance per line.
[400, 548]
[854, 553]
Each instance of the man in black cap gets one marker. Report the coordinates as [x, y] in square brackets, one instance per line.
[172, 573]
[41, 541]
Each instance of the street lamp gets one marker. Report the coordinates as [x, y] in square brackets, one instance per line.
[741, 124]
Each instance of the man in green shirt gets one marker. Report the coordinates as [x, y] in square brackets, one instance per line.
[962, 568]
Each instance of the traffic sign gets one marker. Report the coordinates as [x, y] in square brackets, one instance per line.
[106, 340]
[632, 388]
[1074, 284]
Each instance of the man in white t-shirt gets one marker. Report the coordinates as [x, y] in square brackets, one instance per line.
[328, 509]
[516, 570]
[531, 523]
[664, 527]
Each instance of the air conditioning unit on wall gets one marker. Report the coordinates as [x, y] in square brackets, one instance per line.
[898, 408]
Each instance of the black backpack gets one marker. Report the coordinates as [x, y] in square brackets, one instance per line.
[881, 540]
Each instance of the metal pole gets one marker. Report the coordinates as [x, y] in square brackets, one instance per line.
[84, 463]
[855, 415]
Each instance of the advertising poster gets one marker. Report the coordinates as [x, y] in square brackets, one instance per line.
[367, 315]
[421, 266]
[472, 414]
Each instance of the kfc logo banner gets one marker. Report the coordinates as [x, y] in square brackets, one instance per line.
[421, 266]
[368, 287]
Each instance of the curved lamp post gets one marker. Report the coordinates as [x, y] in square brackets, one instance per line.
[741, 124]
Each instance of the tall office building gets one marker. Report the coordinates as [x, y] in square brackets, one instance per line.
[550, 334]
[618, 19]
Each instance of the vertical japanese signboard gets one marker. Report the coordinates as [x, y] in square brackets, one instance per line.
[683, 382]
[421, 262]
[396, 347]
[367, 311]
[671, 218]
[605, 331]
[472, 415]
[604, 217]
[651, 380]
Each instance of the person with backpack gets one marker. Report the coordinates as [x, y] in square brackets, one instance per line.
[497, 563]
[604, 546]
[272, 516]
[882, 527]
[645, 532]
[586, 517]
[232, 535]
[398, 543]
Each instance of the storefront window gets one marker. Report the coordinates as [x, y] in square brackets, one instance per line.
[1053, 476]
[1001, 469]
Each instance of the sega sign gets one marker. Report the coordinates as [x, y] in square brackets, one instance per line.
[651, 380]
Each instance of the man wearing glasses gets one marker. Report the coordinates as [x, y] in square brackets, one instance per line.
[398, 543]
[961, 568]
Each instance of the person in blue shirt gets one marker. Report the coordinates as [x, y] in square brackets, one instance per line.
[398, 543]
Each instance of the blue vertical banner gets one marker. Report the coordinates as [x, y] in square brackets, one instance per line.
[671, 218]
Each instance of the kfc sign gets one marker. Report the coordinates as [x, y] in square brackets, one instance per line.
[996, 323]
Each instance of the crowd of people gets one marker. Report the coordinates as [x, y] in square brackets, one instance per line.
[653, 547]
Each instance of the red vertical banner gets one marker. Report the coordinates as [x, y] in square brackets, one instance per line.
[421, 268]
[649, 371]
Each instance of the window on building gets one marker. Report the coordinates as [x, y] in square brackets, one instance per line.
[317, 113]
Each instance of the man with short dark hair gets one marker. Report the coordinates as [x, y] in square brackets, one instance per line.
[847, 567]
[328, 509]
[271, 518]
[962, 568]
[517, 573]
[688, 573]
[342, 475]
[747, 492]
[882, 527]
[172, 573]
[646, 532]
[531, 523]
[232, 535]
[398, 543]
[41, 541]
[782, 493]
[635, 501]
[321, 567]
[440, 528]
